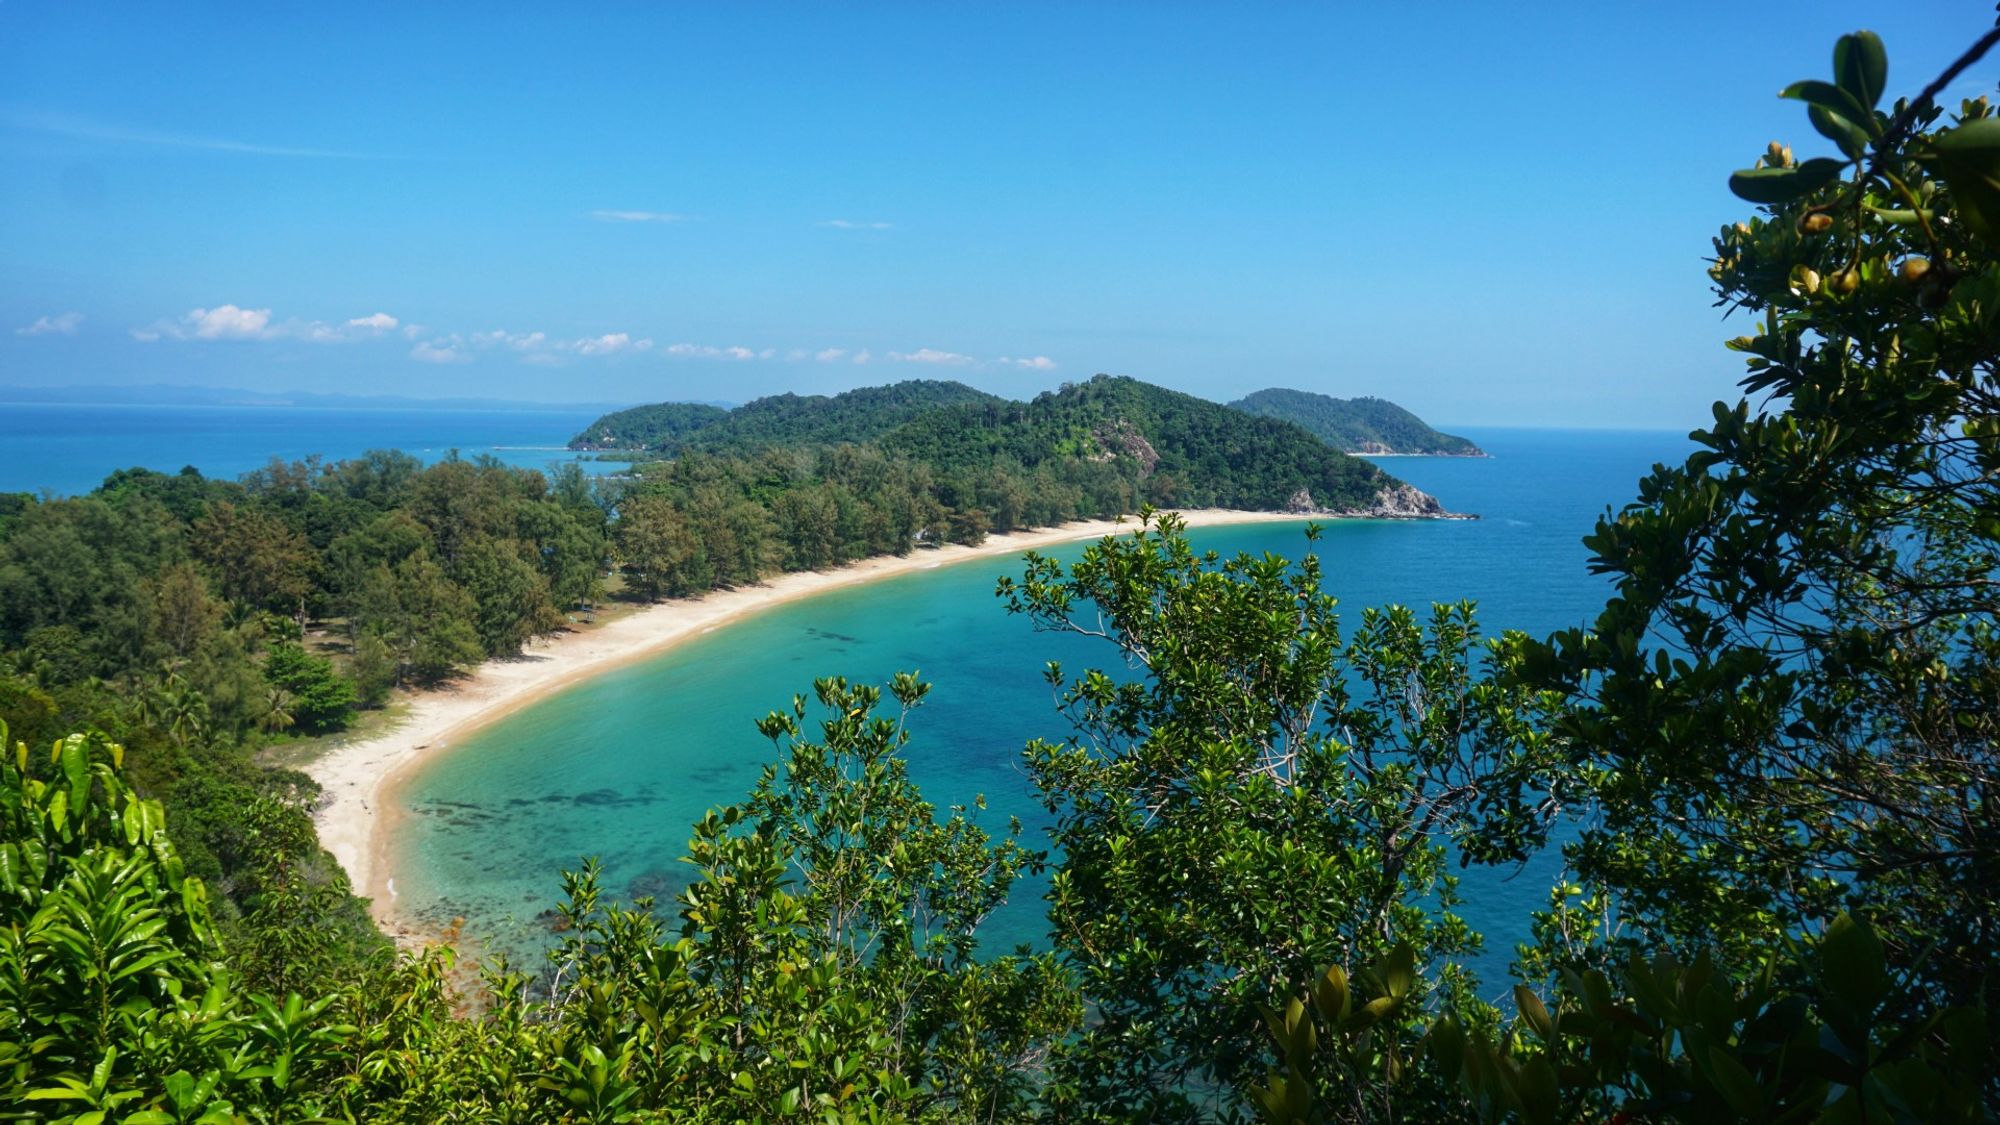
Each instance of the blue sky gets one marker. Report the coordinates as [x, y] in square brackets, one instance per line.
[1493, 214]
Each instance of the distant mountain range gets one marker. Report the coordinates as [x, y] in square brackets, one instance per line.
[167, 394]
[1175, 448]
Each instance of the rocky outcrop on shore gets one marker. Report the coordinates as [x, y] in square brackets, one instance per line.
[1397, 501]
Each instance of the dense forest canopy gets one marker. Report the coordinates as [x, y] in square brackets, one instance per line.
[662, 425]
[1356, 425]
[1167, 448]
[860, 415]
[1767, 766]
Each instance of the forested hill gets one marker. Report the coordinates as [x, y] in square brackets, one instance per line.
[648, 427]
[1357, 425]
[1180, 450]
[1116, 442]
[859, 415]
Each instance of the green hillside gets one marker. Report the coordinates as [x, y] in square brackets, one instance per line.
[859, 415]
[1357, 425]
[1180, 450]
[648, 427]
[1112, 437]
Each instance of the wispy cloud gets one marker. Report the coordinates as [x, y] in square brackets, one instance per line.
[233, 322]
[537, 348]
[858, 224]
[439, 351]
[611, 344]
[933, 355]
[707, 351]
[374, 322]
[230, 322]
[62, 324]
[1031, 363]
[90, 129]
[639, 217]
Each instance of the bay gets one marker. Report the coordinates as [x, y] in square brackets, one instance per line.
[69, 449]
[620, 766]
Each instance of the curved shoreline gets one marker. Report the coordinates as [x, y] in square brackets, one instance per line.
[360, 780]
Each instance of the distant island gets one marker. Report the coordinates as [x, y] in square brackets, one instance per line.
[1118, 440]
[1364, 425]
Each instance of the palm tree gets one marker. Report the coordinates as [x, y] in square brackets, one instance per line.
[277, 714]
[186, 715]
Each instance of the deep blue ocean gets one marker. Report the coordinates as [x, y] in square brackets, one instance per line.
[70, 449]
[620, 766]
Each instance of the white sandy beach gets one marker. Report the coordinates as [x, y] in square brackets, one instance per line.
[359, 778]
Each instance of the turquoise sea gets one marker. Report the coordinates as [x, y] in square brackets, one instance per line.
[620, 766]
[69, 449]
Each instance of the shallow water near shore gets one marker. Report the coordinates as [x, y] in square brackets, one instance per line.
[620, 766]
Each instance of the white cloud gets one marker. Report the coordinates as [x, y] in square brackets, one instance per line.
[706, 351]
[604, 216]
[440, 351]
[858, 224]
[62, 324]
[829, 355]
[228, 322]
[932, 355]
[234, 322]
[610, 344]
[1032, 363]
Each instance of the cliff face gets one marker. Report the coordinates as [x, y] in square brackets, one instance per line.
[1396, 501]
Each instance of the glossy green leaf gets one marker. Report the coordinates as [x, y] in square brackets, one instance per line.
[1535, 1013]
[1852, 139]
[1834, 100]
[1861, 66]
[1781, 185]
[1968, 160]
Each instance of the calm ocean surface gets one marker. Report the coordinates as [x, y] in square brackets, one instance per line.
[70, 449]
[620, 766]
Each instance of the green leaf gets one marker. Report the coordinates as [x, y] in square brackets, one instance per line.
[1861, 66]
[1781, 185]
[1447, 1046]
[1535, 1013]
[1968, 160]
[1400, 970]
[75, 755]
[1852, 139]
[1852, 964]
[1735, 1084]
[1538, 1091]
[1834, 100]
[1330, 995]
